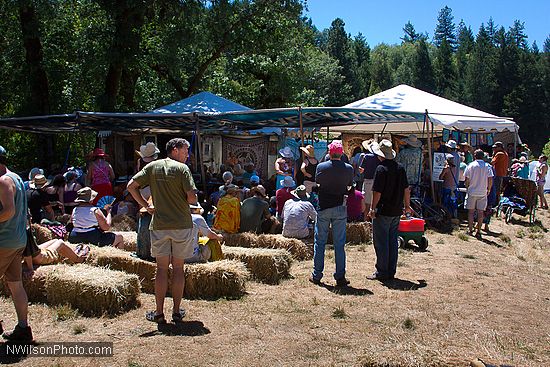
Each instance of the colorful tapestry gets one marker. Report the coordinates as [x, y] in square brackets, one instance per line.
[248, 150]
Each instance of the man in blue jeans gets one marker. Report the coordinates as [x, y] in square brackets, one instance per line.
[335, 179]
[390, 191]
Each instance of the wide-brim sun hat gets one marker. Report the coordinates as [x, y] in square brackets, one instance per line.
[309, 150]
[451, 144]
[286, 152]
[367, 144]
[39, 182]
[258, 189]
[288, 182]
[196, 207]
[85, 195]
[300, 192]
[148, 152]
[413, 141]
[98, 152]
[383, 149]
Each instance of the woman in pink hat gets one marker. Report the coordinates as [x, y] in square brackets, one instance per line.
[100, 175]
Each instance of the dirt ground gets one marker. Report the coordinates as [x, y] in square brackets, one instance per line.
[460, 300]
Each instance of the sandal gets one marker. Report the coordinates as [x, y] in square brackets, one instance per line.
[154, 317]
[178, 316]
[82, 250]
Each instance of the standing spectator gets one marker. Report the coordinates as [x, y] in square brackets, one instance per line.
[450, 183]
[147, 153]
[410, 157]
[284, 166]
[500, 163]
[284, 193]
[367, 167]
[254, 211]
[390, 192]
[355, 205]
[172, 191]
[228, 214]
[70, 193]
[478, 182]
[520, 168]
[465, 150]
[297, 213]
[38, 200]
[335, 178]
[13, 239]
[452, 147]
[309, 166]
[542, 171]
[100, 175]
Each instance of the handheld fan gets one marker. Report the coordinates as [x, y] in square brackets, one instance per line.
[105, 200]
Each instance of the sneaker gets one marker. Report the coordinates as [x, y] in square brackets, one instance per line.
[23, 334]
[315, 281]
[342, 282]
[376, 276]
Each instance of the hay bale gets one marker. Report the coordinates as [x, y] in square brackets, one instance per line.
[359, 232]
[130, 240]
[42, 233]
[123, 223]
[299, 250]
[116, 259]
[35, 287]
[266, 265]
[225, 278]
[91, 290]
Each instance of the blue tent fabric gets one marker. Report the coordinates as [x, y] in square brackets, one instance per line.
[203, 102]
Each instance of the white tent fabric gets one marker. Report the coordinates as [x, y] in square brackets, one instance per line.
[442, 112]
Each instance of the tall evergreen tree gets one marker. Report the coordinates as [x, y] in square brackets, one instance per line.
[381, 76]
[362, 65]
[423, 75]
[445, 75]
[445, 28]
[463, 55]
[410, 35]
[338, 47]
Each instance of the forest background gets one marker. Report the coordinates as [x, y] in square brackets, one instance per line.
[135, 55]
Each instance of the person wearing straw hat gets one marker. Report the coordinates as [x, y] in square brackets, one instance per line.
[367, 167]
[254, 211]
[298, 212]
[13, 240]
[335, 179]
[465, 150]
[90, 225]
[284, 193]
[147, 153]
[203, 252]
[38, 200]
[391, 193]
[410, 157]
[284, 166]
[452, 148]
[172, 191]
[100, 175]
[309, 166]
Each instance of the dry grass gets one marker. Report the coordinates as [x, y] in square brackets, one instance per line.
[123, 223]
[299, 250]
[265, 265]
[494, 307]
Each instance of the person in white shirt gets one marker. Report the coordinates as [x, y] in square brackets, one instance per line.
[296, 214]
[201, 253]
[478, 180]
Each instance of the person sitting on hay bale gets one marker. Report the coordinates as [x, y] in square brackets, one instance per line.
[297, 213]
[254, 211]
[207, 248]
[228, 214]
[52, 252]
[90, 224]
[355, 204]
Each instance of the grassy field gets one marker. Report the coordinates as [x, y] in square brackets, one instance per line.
[462, 299]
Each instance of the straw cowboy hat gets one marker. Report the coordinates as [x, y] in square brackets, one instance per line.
[367, 144]
[258, 189]
[286, 152]
[309, 150]
[413, 141]
[451, 144]
[196, 207]
[383, 149]
[148, 152]
[300, 192]
[39, 182]
[85, 195]
[288, 182]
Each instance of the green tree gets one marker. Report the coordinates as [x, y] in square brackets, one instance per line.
[462, 57]
[423, 75]
[444, 72]
[445, 28]
[410, 35]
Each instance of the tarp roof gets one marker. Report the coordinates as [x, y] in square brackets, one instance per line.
[203, 102]
[229, 121]
[442, 112]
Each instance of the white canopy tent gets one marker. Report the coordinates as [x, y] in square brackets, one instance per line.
[442, 112]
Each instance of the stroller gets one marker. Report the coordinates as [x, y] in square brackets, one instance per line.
[519, 196]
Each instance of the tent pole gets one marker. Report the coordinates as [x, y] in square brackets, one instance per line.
[430, 148]
[301, 126]
[515, 141]
[199, 150]
[383, 129]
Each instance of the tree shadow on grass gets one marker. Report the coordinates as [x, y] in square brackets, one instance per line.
[185, 328]
[403, 285]
[347, 291]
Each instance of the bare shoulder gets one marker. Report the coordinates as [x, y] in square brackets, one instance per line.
[6, 182]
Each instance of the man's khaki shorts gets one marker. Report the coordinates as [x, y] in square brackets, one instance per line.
[10, 263]
[478, 202]
[177, 243]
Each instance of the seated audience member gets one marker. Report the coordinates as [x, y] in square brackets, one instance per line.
[211, 250]
[38, 200]
[273, 206]
[228, 213]
[254, 181]
[71, 189]
[284, 193]
[90, 225]
[254, 211]
[32, 174]
[297, 213]
[314, 197]
[127, 206]
[243, 190]
[249, 171]
[56, 192]
[54, 252]
[355, 204]
[238, 171]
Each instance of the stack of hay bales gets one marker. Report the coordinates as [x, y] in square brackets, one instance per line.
[91, 290]
[266, 265]
[357, 233]
[41, 233]
[123, 223]
[130, 240]
[212, 280]
[299, 250]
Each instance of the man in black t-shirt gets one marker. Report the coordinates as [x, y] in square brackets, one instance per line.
[390, 191]
[335, 179]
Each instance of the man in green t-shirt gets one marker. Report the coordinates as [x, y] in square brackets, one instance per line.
[172, 190]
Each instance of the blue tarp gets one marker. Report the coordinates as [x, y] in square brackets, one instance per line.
[203, 102]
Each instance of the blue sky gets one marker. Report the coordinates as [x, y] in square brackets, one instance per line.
[383, 21]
